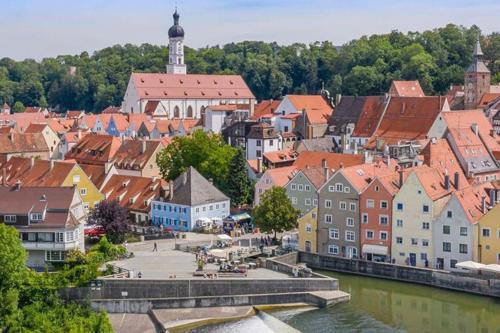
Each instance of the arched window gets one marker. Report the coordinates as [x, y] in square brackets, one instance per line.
[190, 112]
[177, 112]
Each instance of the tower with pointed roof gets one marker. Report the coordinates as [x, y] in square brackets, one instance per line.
[176, 47]
[477, 79]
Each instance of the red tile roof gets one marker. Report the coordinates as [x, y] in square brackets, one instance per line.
[266, 107]
[406, 89]
[407, 118]
[360, 176]
[134, 154]
[94, 149]
[280, 156]
[471, 200]
[35, 128]
[96, 173]
[33, 109]
[120, 121]
[487, 98]
[133, 193]
[432, 181]
[315, 175]
[170, 86]
[74, 114]
[334, 160]
[310, 102]
[22, 143]
[281, 176]
[111, 109]
[371, 111]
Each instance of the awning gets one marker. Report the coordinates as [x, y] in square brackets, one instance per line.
[494, 268]
[470, 265]
[224, 237]
[239, 217]
[375, 249]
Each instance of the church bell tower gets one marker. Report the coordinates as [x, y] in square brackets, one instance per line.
[176, 48]
[477, 79]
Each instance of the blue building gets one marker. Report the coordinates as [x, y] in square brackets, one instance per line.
[192, 198]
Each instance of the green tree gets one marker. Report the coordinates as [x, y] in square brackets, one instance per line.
[275, 212]
[207, 153]
[18, 107]
[238, 183]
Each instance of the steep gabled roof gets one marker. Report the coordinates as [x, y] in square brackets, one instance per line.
[201, 86]
[134, 154]
[280, 176]
[315, 175]
[432, 181]
[407, 89]
[334, 160]
[310, 102]
[471, 200]
[360, 176]
[131, 192]
[265, 107]
[192, 189]
[363, 111]
[36, 173]
[94, 149]
[22, 143]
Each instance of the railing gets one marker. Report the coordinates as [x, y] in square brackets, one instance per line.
[51, 245]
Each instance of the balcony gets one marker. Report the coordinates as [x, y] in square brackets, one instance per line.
[44, 246]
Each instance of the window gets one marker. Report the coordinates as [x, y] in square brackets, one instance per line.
[300, 187]
[414, 241]
[339, 187]
[462, 248]
[294, 200]
[425, 225]
[334, 233]
[399, 223]
[453, 263]
[308, 227]
[76, 179]
[259, 143]
[352, 207]
[333, 249]
[370, 203]
[383, 235]
[328, 218]
[347, 189]
[70, 236]
[486, 232]
[315, 202]
[60, 237]
[364, 218]
[349, 236]
[331, 188]
[342, 205]
[328, 203]
[446, 247]
[463, 231]
[425, 208]
[307, 202]
[86, 206]
[307, 188]
[54, 255]
[383, 219]
[399, 207]
[425, 243]
[10, 218]
[293, 187]
[258, 153]
[383, 204]
[423, 256]
[449, 214]
[36, 217]
[46, 237]
[83, 191]
[349, 221]
[399, 240]
[369, 234]
[446, 229]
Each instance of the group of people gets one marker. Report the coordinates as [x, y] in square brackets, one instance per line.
[265, 241]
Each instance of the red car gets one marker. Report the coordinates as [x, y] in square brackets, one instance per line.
[94, 231]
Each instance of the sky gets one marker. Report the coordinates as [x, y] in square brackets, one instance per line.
[45, 28]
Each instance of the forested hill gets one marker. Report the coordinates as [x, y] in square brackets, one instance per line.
[364, 66]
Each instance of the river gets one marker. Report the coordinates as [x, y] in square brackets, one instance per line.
[387, 306]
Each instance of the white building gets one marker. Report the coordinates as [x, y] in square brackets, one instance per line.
[50, 221]
[262, 139]
[180, 95]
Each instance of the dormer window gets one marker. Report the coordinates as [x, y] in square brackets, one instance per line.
[36, 217]
[10, 218]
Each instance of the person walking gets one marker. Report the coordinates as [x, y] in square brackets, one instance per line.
[155, 247]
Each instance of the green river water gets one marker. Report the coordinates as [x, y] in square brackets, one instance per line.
[386, 306]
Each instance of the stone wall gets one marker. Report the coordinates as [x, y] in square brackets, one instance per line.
[448, 280]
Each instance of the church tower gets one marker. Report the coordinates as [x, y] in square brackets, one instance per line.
[477, 79]
[176, 48]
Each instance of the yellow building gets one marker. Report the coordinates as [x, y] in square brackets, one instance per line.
[88, 191]
[308, 227]
[489, 237]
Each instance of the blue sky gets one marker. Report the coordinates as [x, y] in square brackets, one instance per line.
[40, 28]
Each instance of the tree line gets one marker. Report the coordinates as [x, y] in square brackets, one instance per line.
[364, 66]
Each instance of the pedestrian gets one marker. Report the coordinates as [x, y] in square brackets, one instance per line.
[426, 263]
[155, 247]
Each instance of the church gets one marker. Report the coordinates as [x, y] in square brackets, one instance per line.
[178, 95]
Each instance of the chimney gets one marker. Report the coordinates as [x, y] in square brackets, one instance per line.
[457, 180]
[143, 147]
[368, 158]
[446, 181]
[341, 165]
[184, 178]
[79, 134]
[17, 186]
[326, 170]
[4, 176]
[493, 133]
[475, 129]
[171, 190]
[259, 165]
[338, 97]
[51, 164]
[492, 197]
[401, 178]
[483, 204]
[32, 161]
[11, 137]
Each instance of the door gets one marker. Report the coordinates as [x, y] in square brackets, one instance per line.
[352, 252]
[413, 259]
[308, 246]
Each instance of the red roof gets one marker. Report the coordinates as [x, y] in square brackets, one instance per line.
[471, 200]
[280, 156]
[407, 118]
[281, 176]
[32, 109]
[74, 114]
[371, 111]
[94, 149]
[202, 86]
[133, 193]
[310, 102]
[111, 109]
[487, 98]
[334, 160]
[266, 107]
[360, 176]
[406, 89]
